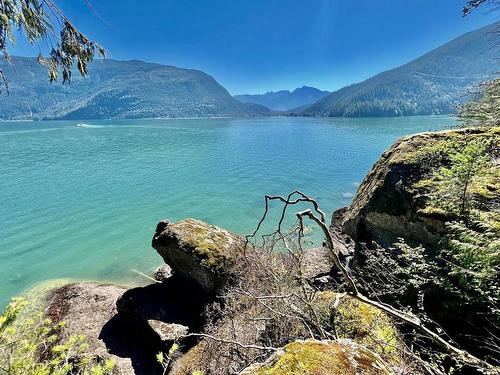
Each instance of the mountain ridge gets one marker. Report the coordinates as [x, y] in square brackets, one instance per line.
[118, 89]
[434, 83]
[285, 100]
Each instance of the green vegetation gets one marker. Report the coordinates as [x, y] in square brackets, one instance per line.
[465, 189]
[484, 107]
[165, 360]
[34, 20]
[117, 89]
[474, 262]
[370, 327]
[435, 83]
[317, 357]
[445, 187]
[455, 180]
[31, 344]
[465, 181]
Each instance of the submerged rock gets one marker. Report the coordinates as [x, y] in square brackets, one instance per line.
[313, 357]
[198, 251]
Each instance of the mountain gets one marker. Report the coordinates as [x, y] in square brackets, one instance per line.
[117, 89]
[285, 100]
[433, 84]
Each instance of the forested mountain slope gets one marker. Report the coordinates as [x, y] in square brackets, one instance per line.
[117, 89]
[435, 83]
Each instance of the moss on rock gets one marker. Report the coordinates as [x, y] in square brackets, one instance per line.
[312, 357]
[199, 251]
[369, 326]
[363, 323]
[394, 199]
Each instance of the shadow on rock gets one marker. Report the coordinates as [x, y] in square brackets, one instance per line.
[133, 338]
[177, 300]
[131, 333]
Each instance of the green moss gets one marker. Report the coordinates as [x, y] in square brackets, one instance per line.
[438, 165]
[431, 151]
[360, 322]
[212, 244]
[435, 147]
[368, 326]
[320, 357]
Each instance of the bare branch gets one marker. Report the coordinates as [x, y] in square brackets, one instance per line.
[233, 342]
[318, 217]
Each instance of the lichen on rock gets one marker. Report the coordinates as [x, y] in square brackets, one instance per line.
[393, 199]
[314, 357]
[361, 322]
[198, 251]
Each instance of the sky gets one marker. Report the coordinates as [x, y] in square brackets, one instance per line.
[254, 46]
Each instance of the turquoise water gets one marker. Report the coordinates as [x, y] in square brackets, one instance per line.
[83, 202]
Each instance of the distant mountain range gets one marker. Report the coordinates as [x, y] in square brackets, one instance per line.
[433, 84]
[117, 89]
[285, 100]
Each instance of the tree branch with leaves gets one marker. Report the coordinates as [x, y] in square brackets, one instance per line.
[37, 21]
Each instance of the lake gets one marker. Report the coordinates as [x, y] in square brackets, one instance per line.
[82, 202]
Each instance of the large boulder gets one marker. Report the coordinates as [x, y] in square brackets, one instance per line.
[129, 326]
[198, 251]
[313, 357]
[85, 308]
[389, 204]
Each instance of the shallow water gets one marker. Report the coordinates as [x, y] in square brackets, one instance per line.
[83, 201]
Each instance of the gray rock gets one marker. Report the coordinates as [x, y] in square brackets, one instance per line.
[168, 331]
[163, 273]
[86, 308]
[198, 251]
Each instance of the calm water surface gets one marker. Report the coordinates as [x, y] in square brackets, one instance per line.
[83, 202]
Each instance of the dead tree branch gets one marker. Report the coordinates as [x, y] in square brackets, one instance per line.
[232, 342]
[317, 216]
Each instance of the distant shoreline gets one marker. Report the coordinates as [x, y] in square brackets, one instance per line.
[228, 117]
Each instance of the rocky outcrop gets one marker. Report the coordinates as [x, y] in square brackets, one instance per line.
[354, 320]
[387, 205]
[311, 357]
[129, 326]
[439, 192]
[198, 251]
[85, 308]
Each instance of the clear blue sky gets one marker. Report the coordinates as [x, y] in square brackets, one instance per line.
[253, 46]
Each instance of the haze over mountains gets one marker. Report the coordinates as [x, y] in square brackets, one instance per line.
[117, 89]
[433, 84]
[285, 100]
